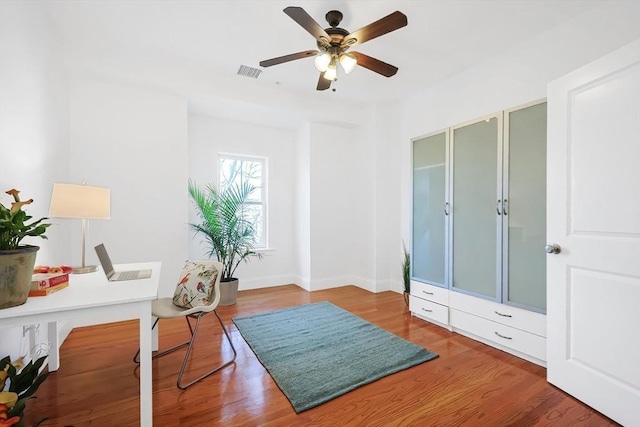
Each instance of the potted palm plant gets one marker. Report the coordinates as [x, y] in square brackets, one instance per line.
[228, 233]
[17, 261]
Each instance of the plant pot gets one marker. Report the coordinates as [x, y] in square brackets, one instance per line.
[406, 298]
[16, 270]
[228, 291]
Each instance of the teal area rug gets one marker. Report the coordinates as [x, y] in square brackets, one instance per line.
[317, 352]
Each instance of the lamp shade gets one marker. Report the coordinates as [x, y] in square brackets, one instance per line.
[348, 62]
[331, 72]
[80, 201]
[322, 61]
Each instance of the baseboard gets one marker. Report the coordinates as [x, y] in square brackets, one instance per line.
[266, 282]
[306, 284]
[336, 282]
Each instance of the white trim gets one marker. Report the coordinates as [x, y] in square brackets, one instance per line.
[266, 282]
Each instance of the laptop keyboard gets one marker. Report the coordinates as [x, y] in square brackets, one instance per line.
[127, 275]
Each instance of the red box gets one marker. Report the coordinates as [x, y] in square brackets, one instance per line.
[44, 280]
[47, 291]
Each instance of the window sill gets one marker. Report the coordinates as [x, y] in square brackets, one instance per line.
[265, 250]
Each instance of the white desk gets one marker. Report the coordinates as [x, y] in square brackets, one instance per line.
[90, 295]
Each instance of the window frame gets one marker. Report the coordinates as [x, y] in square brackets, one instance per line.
[263, 189]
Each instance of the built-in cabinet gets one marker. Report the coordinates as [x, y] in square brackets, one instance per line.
[478, 229]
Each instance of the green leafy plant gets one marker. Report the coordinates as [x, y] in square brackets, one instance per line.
[227, 232]
[13, 223]
[406, 270]
[21, 385]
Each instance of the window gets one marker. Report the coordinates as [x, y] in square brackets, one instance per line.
[237, 170]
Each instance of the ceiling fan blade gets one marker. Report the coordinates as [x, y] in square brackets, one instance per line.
[375, 65]
[299, 15]
[323, 84]
[287, 58]
[376, 29]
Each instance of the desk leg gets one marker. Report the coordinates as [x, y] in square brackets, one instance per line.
[54, 352]
[146, 389]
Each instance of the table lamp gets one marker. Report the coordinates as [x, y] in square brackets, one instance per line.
[83, 202]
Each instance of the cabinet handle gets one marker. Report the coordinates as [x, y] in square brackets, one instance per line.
[446, 208]
[498, 207]
[428, 311]
[428, 293]
[503, 315]
[502, 336]
[505, 207]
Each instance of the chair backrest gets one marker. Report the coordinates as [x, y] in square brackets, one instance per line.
[199, 285]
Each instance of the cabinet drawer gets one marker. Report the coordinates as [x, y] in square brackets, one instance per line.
[430, 292]
[526, 320]
[516, 339]
[429, 310]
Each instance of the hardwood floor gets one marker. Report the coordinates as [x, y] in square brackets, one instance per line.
[470, 384]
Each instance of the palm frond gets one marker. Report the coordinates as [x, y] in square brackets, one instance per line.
[226, 231]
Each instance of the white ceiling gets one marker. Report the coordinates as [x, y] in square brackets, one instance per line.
[194, 48]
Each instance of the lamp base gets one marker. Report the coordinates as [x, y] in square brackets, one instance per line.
[85, 269]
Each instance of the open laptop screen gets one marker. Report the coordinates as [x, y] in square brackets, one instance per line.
[105, 261]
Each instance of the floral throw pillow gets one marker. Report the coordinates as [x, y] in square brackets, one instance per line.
[196, 285]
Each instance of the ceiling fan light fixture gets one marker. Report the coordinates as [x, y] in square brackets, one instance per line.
[322, 61]
[332, 71]
[332, 45]
[348, 62]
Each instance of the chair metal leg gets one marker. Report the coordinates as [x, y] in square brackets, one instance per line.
[169, 350]
[186, 356]
[193, 331]
[135, 357]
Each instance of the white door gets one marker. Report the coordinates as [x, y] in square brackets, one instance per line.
[593, 214]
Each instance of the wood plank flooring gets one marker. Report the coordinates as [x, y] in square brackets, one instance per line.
[470, 384]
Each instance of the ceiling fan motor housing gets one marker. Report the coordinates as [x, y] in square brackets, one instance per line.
[333, 17]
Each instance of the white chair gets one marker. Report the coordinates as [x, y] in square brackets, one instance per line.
[197, 294]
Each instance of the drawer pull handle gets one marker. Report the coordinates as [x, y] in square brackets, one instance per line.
[503, 315]
[502, 336]
[428, 293]
[427, 310]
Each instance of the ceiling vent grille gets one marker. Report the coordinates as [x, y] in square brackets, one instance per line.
[246, 71]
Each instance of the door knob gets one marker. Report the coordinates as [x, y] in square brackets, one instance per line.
[553, 248]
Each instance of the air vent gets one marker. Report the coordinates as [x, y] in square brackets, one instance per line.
[245, 71]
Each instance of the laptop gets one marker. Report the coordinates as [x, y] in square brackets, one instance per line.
[117, 276]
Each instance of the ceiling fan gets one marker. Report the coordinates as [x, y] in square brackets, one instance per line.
[334, 42]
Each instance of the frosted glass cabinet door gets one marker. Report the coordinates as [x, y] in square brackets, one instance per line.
[429, 223]
[525, 190]
[476, 224]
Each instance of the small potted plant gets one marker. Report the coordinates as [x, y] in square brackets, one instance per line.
[227, 232]
[406, 274]
[17, 261]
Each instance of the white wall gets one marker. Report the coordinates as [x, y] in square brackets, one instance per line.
[388, 152]
[302, 207]
[133, 141]
[33, 128]
[321, 201]
[210, 136]
[507, 80]
[342, 207]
